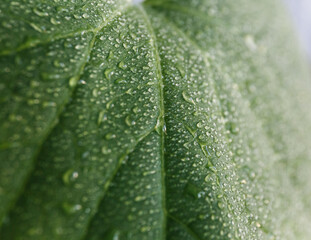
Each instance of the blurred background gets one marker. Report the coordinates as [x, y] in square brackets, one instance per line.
[301, 14]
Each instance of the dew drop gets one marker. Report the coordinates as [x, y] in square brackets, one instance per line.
[232, 127]
[36, 27]
[122, 65]
[218, 154]
[181, 70]
[105, 150]
[243, 181]
[78, 47]
[158, 126]
[193, 190]
[77, 16]
[120, 80]
[40, 13]
[71, 208]
[220, 205]
[110, 55]
[207, 178]
[108, 72]
[211, 167]
[54, 21]
[145, 229]
[73, 81]
[70, 176]
[85, 15]
[139, 198]
[149, 173]
[49, 104]
[250, 42]
[191, 130]
[102, 116]
[95, 92]
[110, 136]
[129, 122]
[187, 97]
[135, 110]
[112, 234]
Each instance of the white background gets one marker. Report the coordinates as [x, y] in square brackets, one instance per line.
[301, 13]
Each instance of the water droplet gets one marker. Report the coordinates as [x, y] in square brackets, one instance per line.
[95, 92]
[102, 116]
[112, 234]
[129, 122]
[145, 229]
[6, 24]
[106, 150]
[158, 126]
[211, 167]
[82, 82]
[85, 15]
[207, 178]
[121, 80]
[110, 55]
[122, 65]
[78, 47]
[191, 130]
[54, 21]
[164, 128]
[108, 72]
[70, 176]
[49, 104]
[232, 127]
[110, 136]
[218, 154]
[250, 42]
[199, 125]
[40, 13]
[57, 63]
[73, 81]
[36, 27]
[109, 104]
[194, 191]
[187, 97]
[205, 150]
[139, 198]
[77, 16]
[220, 205]
[135, 110]
[243, 181]
[181, 70]
[149, 173]
[71, 208]
[239, 152]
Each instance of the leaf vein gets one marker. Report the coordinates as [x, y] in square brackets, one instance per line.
[37, 42]
[161, 118]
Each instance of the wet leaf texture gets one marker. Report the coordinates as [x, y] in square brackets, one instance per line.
[168, 119]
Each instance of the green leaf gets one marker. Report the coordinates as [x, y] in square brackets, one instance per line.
[171, 119]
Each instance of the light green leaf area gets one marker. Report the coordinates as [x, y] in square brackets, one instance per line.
[176, 119]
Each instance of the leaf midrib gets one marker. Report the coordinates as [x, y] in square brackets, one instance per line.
[161, 117]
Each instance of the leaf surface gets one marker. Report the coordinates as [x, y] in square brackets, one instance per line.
[167, 120]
